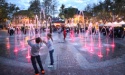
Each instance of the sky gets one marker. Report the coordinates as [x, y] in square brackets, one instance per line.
[80, 4]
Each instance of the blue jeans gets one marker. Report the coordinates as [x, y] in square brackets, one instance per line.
[51, 57]
[33, 60]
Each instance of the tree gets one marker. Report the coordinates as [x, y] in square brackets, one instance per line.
[70, 12]
[49, 6]
[35, 7]
[7, 10]
[67, 12]
[119, 7]
[61, 14]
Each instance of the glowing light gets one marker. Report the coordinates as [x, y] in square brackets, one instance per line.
[107, 49]
[100, 45]
[7, 38]
[8, 46]
[22, 44]
[113, 45]
[28, 56]
[15, 50]
[100, 55]
[85, 46]
[91, 50]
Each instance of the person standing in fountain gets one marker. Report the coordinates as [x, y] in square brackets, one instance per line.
[49, 44]
[35, 56]
[64, 35]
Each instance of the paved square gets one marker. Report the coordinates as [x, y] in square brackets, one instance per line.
[79, 55]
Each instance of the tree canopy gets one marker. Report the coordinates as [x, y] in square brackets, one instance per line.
[7, 10]
[108, 8]
[35, 6]
[67, 13]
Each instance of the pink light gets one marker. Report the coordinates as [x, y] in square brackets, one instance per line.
[113, 45]
[28, 54]
[22, 44]
[100, 45]
[28, 57]
[85, 46]
[8, 46]
[91, 50]
[100, 55]
[107, 49]
[15, 50]
[72, 36]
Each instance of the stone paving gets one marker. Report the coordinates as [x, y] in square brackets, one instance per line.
[71, 57]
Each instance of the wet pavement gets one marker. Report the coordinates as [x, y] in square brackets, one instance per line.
[79, 55]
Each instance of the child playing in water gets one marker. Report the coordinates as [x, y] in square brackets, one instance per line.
[35, 57]
[49, 44]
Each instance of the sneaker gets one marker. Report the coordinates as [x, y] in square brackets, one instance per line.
[43, 72]
[50, 66]
[37, 74]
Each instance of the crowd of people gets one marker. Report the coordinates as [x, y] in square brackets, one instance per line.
[117, 32]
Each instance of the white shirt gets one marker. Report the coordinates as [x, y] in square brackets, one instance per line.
[50, 45]
[35, 48]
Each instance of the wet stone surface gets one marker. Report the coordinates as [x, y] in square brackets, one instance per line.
[71, 57]
[113, 52]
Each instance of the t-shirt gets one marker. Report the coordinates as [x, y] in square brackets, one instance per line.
[35, 48]
[50, 45]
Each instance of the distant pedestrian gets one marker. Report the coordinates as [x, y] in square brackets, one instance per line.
[49, 44]
[35, 57]
[17, 29]
[59, 34]
[64, 34]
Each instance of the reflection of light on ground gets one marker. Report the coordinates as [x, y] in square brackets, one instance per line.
[107, 49]
[7, 38]
[16, 49]
[100, 55]
[8, 43]
[8, 46]
[113, 45]
[28, 55]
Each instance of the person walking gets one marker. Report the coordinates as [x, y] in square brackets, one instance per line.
[59, 34]
[49, 44]
[64, 35]
[35, 56]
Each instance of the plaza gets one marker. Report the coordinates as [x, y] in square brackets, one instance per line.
[71, 57]
[62, 37]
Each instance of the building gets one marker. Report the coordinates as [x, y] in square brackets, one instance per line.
[58, 21]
